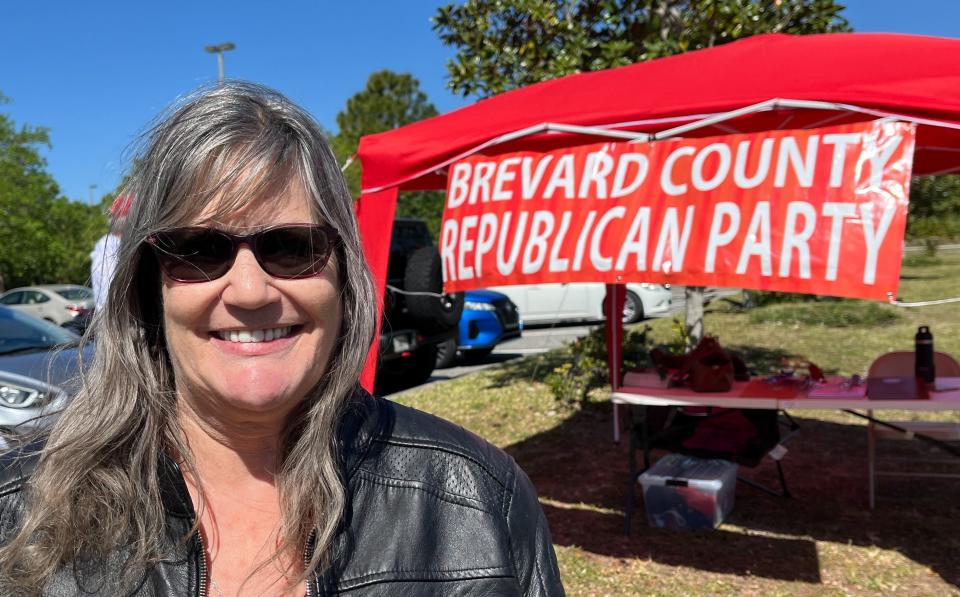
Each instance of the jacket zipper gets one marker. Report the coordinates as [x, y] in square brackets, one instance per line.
[306, 560]
[203, 564]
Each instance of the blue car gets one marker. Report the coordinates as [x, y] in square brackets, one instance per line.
[488, 318]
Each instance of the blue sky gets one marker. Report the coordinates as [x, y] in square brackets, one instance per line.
[95, 73]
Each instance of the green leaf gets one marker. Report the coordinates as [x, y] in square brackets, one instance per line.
[505, 44]
[44, 237]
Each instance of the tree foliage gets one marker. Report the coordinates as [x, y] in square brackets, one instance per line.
[388, 101]
[505, 44]
[934, 207]
[44, 238]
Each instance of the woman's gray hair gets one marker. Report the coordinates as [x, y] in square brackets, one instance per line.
[96, 487]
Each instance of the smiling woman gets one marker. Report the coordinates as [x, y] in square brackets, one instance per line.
[221, 443]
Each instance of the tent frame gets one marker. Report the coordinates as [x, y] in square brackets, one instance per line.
[615, 292]
[694, 122]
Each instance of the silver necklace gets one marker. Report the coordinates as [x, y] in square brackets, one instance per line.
[216, 587]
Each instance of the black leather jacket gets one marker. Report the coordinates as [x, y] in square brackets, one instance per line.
[432, 510]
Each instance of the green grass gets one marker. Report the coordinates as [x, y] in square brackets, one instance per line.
[834, 314]
[922, 260]
[822, 542]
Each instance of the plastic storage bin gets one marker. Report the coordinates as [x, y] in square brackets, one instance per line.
[684, 492]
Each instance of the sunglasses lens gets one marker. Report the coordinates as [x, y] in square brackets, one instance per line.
[294, 252]
[201, 254]
[191, 255]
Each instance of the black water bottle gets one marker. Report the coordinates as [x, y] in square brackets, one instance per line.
[924, 355]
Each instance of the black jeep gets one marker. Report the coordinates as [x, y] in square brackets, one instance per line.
[416, 315]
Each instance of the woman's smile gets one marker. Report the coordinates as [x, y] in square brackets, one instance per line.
[259, 335]
[256, 341]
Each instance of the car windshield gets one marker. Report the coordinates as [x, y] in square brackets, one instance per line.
[20, 332]
[75, 294]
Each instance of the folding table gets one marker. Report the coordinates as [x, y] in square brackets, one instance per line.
[862, 406]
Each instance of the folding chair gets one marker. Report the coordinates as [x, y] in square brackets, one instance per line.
[901, 364]
[744, 436]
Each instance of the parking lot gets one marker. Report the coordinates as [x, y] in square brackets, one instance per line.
[540, 339]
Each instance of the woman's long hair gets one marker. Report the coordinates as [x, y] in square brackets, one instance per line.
[96, 488]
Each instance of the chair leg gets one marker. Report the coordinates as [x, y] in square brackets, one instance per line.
[784, 490]
[631, 484]
[785, 420]
[783, 480]
[631, 505]
[644, 436]
[871, 463]
[616, 423]
[639, 440]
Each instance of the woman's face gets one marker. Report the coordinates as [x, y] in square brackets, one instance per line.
[221, 334]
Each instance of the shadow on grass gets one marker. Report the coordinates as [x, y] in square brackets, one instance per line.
[744, 555]
[582, 476]
[533, 368]
[762, 361]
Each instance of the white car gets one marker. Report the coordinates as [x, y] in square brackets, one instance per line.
[57, 303]
[550, 303]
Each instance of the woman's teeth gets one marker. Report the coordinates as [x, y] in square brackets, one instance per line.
[255, 335]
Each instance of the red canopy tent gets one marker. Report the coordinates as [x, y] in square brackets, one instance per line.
[760, 83]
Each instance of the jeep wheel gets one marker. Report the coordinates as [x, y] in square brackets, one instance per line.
[446, 353]
[424, 273]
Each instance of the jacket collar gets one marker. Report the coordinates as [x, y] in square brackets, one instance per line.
[173, 489]
[364, 420]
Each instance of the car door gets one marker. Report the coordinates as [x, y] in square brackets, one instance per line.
[546, 303]
[21, 301]
[594, 293]
[38, 304]
[558, 302]
[12, 299]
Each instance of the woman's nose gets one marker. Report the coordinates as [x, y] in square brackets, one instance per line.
[248, 286]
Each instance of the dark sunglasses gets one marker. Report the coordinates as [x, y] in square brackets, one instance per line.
[199, 254]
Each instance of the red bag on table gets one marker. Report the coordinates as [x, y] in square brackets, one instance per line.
[707, 368]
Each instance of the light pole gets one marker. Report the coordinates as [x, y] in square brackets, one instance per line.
[90, 193]
[219, 49]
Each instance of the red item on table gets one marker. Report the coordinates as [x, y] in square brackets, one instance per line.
[781, 390]
[816, 373]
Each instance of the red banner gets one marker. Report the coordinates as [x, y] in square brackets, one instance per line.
[818, 211]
